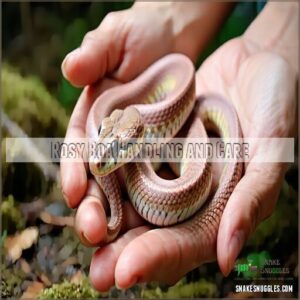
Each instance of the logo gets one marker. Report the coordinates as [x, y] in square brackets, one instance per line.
[247, 267]
[259, 265]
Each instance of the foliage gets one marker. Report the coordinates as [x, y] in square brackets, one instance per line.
[200, 288]
[12, 218]
[11, 281]
[83, 290]
[38, 41]
[67, 290]
[27, 96]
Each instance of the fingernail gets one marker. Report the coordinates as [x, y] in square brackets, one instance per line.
[67, 59]
[132, 282]
[235, 245]
[117, 286]
[66, 199]
[63, 66]
[85, 238]
[92, 218]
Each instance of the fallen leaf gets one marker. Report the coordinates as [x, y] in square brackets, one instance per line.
[14, 245]
[33, 290]
[25, 266]
[70, 261]
[45, 279]
[56, 220]
[77, 278]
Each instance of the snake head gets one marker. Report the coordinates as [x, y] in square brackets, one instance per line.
[119, 141]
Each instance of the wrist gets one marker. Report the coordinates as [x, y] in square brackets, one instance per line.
[195, 24]
[192, 24]
[276, 30]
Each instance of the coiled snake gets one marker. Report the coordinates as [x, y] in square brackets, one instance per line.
[157, 104]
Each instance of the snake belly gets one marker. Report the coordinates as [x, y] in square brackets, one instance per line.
[164, 95]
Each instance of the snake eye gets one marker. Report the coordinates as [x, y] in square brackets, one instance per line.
[99, 130]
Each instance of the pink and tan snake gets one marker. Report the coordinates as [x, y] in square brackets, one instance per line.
[156, 105]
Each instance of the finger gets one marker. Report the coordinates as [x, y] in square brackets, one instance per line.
[90, 219]
[163, 255]
[99, 53]
[74, 188]
[137, 58]
[252, 201]
[91, 216]
[130, 66]
[102, 269]
[133, 63]
[131, 218]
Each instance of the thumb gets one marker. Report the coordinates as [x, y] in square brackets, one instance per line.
[99, 53]
[252, 201]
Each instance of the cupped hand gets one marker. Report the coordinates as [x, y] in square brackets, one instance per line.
[123, 45]
[262, 87]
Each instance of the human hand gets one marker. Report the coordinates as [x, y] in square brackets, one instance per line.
[122, 39]
[259, 73]
[123, 45]
[243, 75]
[252, 81]
[127, 42]
[262, 87]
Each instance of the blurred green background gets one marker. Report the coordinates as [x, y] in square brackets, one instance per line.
[35, 38]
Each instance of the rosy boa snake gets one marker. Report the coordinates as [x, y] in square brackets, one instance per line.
[157, 104]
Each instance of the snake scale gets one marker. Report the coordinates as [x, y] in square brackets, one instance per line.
[157, 104]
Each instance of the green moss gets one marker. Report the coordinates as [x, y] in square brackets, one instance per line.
[201, 288]
[11, 281]
[12, 218]
[67, 290]
[27, 102]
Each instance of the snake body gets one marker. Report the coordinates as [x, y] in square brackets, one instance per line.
[157, 104]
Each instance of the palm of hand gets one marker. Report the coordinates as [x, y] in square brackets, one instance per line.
[260, 85]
